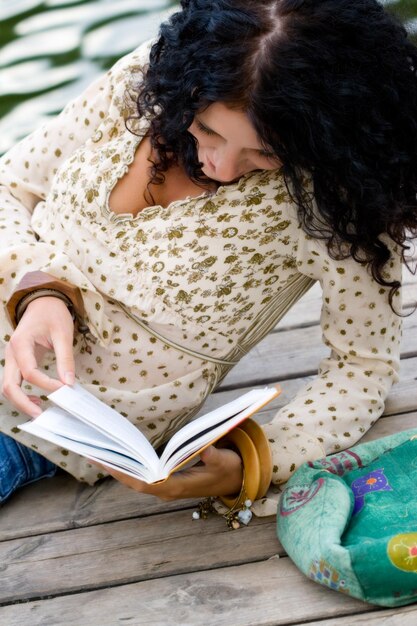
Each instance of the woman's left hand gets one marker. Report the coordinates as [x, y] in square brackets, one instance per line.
[220, 474]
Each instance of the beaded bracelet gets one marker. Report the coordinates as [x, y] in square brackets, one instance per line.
[239, 513]
[40, 284]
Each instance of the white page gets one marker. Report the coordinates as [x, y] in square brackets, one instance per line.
[251, 399]
[105, 456]
[91, 410]
[59, 422]
[213, 434]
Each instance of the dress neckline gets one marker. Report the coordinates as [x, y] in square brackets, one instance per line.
[127, 153]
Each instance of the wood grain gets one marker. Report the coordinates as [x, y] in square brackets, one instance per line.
[269, 593]
[125, 551]
[61, 503]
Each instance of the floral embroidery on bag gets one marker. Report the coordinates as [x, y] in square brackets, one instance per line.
[339, 463]
[294, 498]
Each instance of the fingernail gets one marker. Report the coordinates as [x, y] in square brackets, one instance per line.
[69, 378]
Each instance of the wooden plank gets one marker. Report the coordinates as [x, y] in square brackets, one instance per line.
[390, 425]
[402, 616]
[403, 395]
[141, 548]
[61, 503]
[269, 593]
[127, 551]
[305, 312]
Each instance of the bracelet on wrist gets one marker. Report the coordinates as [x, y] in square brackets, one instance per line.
[23, 304]
[39, 284]
[250, 441]
[39, 281]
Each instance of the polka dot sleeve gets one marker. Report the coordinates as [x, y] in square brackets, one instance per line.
[26, 176]
[363, 335]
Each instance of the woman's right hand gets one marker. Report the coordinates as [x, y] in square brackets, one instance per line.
[45, 325]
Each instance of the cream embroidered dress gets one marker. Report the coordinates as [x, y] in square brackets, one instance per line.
[212, 275]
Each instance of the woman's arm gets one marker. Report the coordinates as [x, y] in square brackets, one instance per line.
[26, 175]
[363, 335]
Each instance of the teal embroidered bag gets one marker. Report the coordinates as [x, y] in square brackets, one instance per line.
[349, 520]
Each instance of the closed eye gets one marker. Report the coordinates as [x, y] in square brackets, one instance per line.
[204, 128]
[266, 154]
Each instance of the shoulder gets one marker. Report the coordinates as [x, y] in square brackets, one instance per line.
[121, 82]
[266, 188]
[129, 69]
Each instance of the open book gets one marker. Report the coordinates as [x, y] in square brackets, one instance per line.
[83, 424]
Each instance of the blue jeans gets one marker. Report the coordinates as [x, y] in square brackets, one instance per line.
[20, 466]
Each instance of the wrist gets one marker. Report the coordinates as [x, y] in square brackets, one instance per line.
[233, 476]
[37, 284]
[31, 298]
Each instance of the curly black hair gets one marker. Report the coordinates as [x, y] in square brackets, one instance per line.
[329, 85]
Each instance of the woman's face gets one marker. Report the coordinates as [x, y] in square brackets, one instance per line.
[227, 143]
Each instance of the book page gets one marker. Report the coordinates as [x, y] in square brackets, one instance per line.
[203, 431]
[102, 450]
[90, 410]
[59, 422]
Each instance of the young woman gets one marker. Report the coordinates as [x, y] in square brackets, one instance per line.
[193, 195]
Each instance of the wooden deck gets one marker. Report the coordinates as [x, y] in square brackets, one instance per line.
[102, 556]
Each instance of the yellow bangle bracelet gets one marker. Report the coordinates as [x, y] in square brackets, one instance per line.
[251, 466]
[258, 437]
[252, 445]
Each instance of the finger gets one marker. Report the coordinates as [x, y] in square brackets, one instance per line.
[62, 343]
[35, 399]
[12, 380]
[24, 354]
[224, 466]
[126, 479]
[213, 457]
[208, 456]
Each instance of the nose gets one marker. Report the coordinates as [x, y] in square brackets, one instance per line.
[227, 164]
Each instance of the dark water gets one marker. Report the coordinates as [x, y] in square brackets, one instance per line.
[51, 49]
